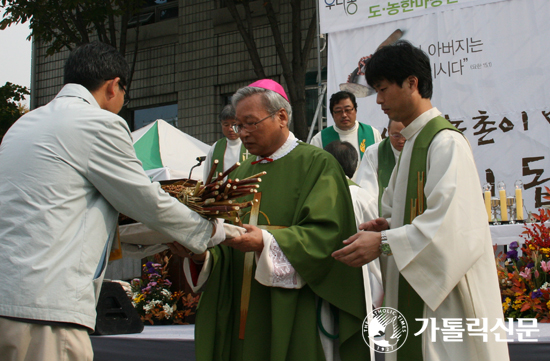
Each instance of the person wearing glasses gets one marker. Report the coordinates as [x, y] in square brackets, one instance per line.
[374, 171]
[228, 150]
[275, 293]
[343, 108]
[66, 170]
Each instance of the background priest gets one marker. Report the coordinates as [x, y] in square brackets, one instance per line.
[276, 293]
[373, 174]
[228, 150]
[343, 108]
[437, 256]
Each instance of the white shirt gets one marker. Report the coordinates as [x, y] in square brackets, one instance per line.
[367, 173]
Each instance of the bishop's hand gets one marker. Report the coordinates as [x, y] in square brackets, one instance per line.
[252, 240]
[361, 248]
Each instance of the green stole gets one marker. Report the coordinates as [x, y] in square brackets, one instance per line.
[386, 163]
[409, 302]
[219, 154]
[365, 137]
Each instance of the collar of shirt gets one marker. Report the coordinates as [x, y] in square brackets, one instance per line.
[349, 131]
[234, 142]
[290, 143]
[419, 123]
[396, 153]
[77, 91]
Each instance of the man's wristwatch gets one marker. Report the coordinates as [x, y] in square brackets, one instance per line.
[385, 248]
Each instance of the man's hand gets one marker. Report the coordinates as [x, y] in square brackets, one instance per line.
[252, 240]
[376, 225]
[183, 252]
[361, 248]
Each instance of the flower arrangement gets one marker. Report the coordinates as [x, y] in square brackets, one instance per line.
[524, 278]
[153, 299]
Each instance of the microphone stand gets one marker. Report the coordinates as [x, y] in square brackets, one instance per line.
[200, 160]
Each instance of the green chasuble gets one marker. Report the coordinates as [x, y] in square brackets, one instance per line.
[365, 137]
[386, 163]
[219, 154]
[409, 303]
[306, 191]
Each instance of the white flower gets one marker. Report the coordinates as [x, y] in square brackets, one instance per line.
[168, 311]
[544, 286]
[166, 293]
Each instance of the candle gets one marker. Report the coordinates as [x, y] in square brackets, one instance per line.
[519, 205]
[487, 197]
[503, 208]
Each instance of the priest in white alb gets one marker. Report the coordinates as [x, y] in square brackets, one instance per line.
[434, 243]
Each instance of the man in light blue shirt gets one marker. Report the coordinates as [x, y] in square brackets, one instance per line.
[66, 170]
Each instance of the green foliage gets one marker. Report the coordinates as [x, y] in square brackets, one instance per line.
[68, 23]
[10, 108]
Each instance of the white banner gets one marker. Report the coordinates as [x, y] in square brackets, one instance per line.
[490, 66]
[338, 15]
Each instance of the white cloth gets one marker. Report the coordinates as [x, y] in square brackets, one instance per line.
[66, 169]
[349, 136]
[446, 253]
[231, 156]
[367, 172]
[365, 209]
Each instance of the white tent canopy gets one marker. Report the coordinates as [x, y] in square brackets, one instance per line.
[168, 153]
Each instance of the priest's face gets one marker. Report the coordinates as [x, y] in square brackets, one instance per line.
[396, 139]
[397, 102]
[227, 129]
[262, 133]
[344, 114]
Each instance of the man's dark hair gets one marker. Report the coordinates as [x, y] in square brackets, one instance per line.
[227, 113]
[397, 62]
[337, 97]
[91, 64]
[345, 154]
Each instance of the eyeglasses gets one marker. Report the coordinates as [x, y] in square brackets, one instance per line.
[126, 95]
[396, 136]
[342, 111]
[250, 127]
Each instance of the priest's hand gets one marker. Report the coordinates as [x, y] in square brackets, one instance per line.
[252, 240]
[376, 225]
[183, 252]
[361, 248]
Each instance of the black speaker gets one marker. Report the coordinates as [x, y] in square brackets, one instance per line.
[115, 313]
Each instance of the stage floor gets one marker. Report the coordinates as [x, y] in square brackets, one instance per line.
[169, 343]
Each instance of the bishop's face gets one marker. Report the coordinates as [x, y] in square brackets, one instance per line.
[262, 133]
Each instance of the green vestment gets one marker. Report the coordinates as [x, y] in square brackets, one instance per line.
[306, 191]
[219, 154]
[365, 137]
[386, 163]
